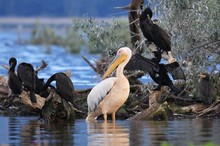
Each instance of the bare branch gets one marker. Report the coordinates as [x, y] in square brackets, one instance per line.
[44, 65]
[5, 66]
[90, 64]
[124, 7]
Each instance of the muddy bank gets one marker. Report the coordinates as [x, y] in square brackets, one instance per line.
[142, 104]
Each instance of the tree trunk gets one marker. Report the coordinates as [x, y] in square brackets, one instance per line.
[135, 8]
[133, 17]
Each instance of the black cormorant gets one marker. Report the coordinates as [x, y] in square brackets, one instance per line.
[64, 86]
[26, 74]
[153, 33]
[158, 72]
[205, 88]
[14, 82]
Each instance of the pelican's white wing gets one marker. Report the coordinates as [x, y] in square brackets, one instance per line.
[98, 92]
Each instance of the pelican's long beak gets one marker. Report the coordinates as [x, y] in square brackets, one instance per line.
[118, 60]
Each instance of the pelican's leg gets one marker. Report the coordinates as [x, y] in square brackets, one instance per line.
[105, 116]
[113, 116]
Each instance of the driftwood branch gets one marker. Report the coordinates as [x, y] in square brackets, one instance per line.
[90, 64]
[44, 65]
[25, 99]
[155, 111]
[215, 107]
[5, 66]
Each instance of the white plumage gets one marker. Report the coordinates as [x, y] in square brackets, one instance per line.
[99, 92]
[110, 94]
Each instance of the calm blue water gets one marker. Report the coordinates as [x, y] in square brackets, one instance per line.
[29, 131]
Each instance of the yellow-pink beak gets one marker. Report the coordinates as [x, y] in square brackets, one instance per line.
[119, 58]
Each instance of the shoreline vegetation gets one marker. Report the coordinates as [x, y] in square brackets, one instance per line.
[70, 33]
[195, 46]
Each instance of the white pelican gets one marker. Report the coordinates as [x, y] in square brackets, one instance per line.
[110, 94]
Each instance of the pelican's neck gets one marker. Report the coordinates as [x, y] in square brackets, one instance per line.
[120, 68]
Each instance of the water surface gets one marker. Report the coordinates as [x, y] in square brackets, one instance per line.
[28, 130]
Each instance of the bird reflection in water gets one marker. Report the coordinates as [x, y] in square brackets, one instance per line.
[151, 133]
[107, 134]
[37, 133]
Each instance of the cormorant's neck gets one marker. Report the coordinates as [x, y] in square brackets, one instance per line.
[12, 68]
[47, 84]
[142, 17]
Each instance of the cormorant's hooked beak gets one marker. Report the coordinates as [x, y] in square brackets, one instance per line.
[119, 58]
[148, 16]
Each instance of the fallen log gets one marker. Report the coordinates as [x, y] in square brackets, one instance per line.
[25, 99]
[212, 110]
[193, 109]
[155, 111]
[57, 110]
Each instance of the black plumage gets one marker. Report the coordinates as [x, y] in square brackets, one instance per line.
[158, 72]
[26, 74]
[64, 86]
[205, 88]
[14, 82]
[39, 84]
[153, 33]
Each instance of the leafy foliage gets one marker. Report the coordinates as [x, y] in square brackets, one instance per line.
[49, 36]
[103, 36]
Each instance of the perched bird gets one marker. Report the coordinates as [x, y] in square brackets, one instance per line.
[26, 74]
[14, 82]
[111, 93]
[153, 33]
[205, 88]
[158, 72]
[157, 57]
[64, 86]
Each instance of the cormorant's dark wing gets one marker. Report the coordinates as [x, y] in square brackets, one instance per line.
[146, 26]
[161, 38]
[175, 70]
[14, 83]
[137, 62]
[26, 74]
[64, 86]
